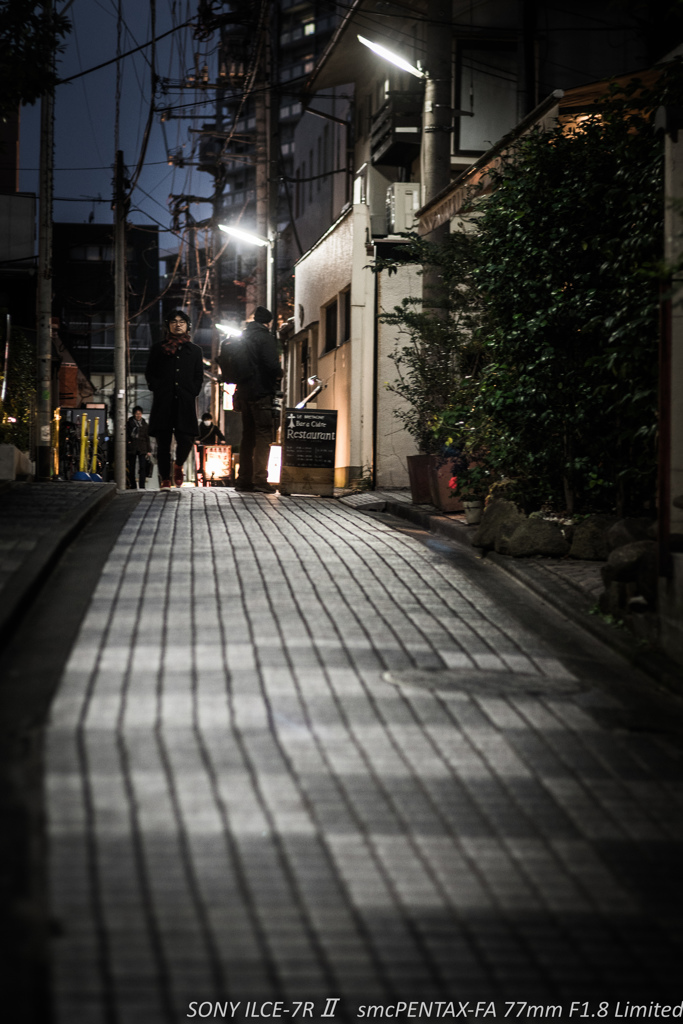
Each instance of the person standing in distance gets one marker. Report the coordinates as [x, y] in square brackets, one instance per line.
[175, 373]
[138, 448]
[254, 400]
[209, 432]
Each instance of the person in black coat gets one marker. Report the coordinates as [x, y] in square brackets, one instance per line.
[175, 373]
[254, 399]
[209, 432]
[137, 448]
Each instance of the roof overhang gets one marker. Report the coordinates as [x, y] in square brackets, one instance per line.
[476, 180]
[344, 59]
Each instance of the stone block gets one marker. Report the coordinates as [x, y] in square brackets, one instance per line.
[537, 537]
[14, 463]
[590, 538]
[500, 516]
[626, 531]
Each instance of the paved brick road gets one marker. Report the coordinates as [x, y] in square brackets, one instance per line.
[249, 798]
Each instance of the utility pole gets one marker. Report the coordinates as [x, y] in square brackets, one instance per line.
[262, 168]
[437, 121]
[120, 324]
[273, 95]
[44, 467]
[437, 125]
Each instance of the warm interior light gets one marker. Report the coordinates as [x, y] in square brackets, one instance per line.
[228, 393]
[274, 464]
[393, 57]
[245, 236]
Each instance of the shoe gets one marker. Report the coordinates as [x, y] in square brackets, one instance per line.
[165, 485]
[244, 487]
[177, 475]
[265, 488]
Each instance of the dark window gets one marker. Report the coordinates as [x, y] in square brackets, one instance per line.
[330, 326]
[486, 83]
[345, 315]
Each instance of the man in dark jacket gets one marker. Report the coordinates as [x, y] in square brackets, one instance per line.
[254, 399]
[137, 448]
[175, 373]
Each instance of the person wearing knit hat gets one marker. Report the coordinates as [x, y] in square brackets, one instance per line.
[254, 399]
[175, 374]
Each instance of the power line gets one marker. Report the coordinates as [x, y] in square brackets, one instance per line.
[128, 53]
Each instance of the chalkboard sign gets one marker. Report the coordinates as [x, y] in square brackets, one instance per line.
[308, 454]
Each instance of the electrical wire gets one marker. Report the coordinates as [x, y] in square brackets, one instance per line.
[128, 53]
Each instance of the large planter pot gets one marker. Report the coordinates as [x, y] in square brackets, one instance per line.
[474, 509]
[418, 473]
[442, 496]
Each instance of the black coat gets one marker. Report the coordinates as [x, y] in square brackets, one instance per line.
[137, 436]
[210, 435]
[175, 381]
[267, 370]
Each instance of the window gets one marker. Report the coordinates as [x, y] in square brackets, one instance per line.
[331, 326]
[92, 253]
[309, 28]
[486, 82]
[345, 316]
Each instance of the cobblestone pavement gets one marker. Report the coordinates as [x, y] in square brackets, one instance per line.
[297, 754]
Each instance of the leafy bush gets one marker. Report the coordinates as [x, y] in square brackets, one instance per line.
[438, 350]
[20, 392]
[569, 243]
[541, 363]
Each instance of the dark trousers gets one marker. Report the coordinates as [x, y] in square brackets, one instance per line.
[183, 447]
[257, 435]
[137, 460]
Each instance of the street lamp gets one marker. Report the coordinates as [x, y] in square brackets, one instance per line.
[400, 62]
[229, 330]
[254, 239]
[245, 236]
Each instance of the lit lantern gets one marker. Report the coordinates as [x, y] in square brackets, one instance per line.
[217, 461]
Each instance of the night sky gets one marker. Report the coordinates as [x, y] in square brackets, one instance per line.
[85, 114]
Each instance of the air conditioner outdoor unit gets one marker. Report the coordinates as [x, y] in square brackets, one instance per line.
[403, 201]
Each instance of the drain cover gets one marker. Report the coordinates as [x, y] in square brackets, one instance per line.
[482, 682]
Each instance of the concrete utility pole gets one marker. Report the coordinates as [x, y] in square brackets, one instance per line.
[273, 156]
[437, 126]
[261, 154]
[437, 123]
[44, 467]
[120, 324]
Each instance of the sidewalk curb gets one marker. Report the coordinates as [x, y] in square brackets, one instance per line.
[562, 595]
[22, 587]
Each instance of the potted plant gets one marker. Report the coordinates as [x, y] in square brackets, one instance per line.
[434, 336]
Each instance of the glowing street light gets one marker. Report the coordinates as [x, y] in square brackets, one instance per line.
[244, 236]
[249, 236]
[229, 330]
[400, 62]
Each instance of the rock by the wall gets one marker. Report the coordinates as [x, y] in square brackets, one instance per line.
[499, 515]
[590, 538]
[626, 531]
[537, 537]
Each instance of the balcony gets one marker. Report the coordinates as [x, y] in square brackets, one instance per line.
[395, 130]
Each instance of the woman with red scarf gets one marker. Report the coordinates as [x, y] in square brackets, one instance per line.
[175, 373]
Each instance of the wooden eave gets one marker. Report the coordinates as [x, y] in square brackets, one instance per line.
[476, 180]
